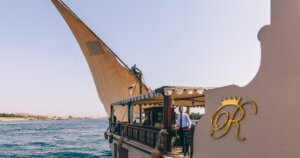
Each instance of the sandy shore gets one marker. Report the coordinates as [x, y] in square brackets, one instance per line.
[16, 119]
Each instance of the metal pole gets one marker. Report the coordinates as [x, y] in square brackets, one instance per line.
[141, 91]
[140, 80]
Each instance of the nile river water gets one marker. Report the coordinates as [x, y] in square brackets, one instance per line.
[54, 138]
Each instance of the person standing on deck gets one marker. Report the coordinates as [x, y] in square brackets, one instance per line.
[136, 71]
[184, 124]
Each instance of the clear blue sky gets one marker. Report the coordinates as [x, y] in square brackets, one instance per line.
[174, 42]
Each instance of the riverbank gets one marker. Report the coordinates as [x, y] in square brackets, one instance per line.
[18, 119]
[25, 116]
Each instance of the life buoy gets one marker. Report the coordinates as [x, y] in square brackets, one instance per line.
[119, 146]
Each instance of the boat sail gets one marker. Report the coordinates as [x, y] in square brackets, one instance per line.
[111, 75]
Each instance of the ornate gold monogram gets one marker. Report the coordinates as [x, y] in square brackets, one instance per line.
[214, 121]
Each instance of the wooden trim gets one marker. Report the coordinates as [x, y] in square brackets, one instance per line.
[136, 147]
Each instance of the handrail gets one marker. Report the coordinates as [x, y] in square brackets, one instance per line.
[149, 135]
[144, 135]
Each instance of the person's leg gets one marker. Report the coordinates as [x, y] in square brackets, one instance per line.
[186, 142]
[181, 139]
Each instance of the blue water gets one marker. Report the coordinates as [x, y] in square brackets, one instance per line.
[54, 138]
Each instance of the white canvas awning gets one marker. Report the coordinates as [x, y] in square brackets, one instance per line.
[181, 96]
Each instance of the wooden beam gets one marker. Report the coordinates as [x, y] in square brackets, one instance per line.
[167, 119]
[130, 112]
[111, 114]
[167, 112]
[140, 113]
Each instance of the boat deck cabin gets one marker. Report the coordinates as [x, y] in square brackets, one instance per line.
[151, 119]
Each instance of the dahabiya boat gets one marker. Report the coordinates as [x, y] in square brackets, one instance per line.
[239, 121]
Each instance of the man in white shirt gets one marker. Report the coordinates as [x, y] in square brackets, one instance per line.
[184, 124]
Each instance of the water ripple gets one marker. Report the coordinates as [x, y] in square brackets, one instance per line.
[54, 138]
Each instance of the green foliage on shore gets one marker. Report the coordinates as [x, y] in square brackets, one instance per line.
[10, 115]
[21, 116]
[195, 116]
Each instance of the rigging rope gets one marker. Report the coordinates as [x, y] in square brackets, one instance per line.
[111, 51]
[66, 45]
